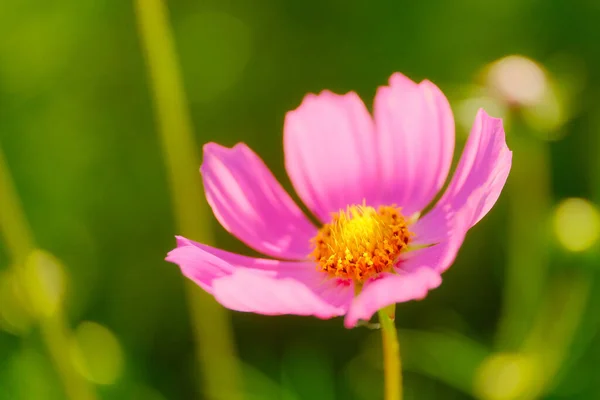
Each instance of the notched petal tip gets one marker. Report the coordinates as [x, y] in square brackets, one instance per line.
[327, 127]
[482, 113]
[173, 255]
[399, 79]
[323, 97]
[484, 164]
[212, 149]
[432, 88]
[496, 127]
[484, 121]
[199, 265]
[415, 134]
[182, 241]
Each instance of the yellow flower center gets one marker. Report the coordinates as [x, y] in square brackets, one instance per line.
[361, 242]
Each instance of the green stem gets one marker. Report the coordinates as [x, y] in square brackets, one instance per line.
[214, 337]
[55, 330]
[392, 366]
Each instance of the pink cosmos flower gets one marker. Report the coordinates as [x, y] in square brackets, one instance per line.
[367, 179]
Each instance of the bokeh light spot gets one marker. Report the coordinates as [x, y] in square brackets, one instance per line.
[505, 376]
[518, 80]
[576, 224]
[15, 316]
[44, 282]
[96, 353]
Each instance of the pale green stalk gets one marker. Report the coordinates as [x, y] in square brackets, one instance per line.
[57, 337]
[445, 356]
[13, 224]
[214, 338]
[392, 365]
[527, 192]
[55, 330]
[556, 325]
[538, 319]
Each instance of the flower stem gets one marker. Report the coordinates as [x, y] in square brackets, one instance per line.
[213, 334]
[392, 366]
[55, 329]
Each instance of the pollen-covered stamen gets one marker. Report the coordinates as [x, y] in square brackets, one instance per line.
[361, 242]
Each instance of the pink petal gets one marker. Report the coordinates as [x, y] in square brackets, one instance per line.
[250, 292]
[199, 266]
[261, 285]
[330, 152]
[435, 227]
[415, 133]
[419, 270]
[446, 229]
[441, 255]
[250, 203]
[390, 289]
[484, 164]
[240, 261]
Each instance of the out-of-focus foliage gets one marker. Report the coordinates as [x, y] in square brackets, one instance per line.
[517, 316]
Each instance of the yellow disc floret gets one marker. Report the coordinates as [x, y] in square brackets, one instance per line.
[361, 242]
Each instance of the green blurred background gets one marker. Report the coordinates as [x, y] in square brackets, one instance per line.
[517, 316]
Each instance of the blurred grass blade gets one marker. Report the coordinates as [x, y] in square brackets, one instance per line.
[14, 228]
[262, 387]
[55, 330]
[449, 358]
[214, 338]
[558, 322]
[56, 334]
[302, 363]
